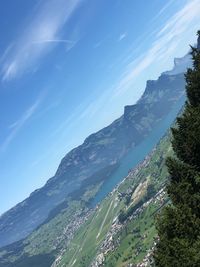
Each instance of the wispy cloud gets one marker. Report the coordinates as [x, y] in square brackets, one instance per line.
[16, 126]
[167, 40]
[54, 41]
[122, 36]
[163, 9]
[181, 20]
[96, 105]
[38, 38]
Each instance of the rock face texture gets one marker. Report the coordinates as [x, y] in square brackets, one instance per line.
[102, 150]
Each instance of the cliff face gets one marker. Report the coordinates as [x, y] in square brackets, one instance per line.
[180, 65]
[100, 150]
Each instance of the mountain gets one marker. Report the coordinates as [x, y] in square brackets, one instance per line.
[112, 241]
[58, 212]
[102, 149]
[180, 65]
[100, 152]
[101, 236]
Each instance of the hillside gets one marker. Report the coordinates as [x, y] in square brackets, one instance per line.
[93, 236]
[58, 229]
[106, 239]
[100, 151]
[61, 224]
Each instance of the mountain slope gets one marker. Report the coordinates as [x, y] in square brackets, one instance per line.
[103, 238]
[103, 149]
[93, 234]
[87, 167]
[99, 150]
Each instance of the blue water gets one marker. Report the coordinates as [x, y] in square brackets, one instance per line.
[138, 153]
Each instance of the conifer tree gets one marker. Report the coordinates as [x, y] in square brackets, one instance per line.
[178, 224]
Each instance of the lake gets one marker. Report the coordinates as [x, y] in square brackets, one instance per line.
[138, 153]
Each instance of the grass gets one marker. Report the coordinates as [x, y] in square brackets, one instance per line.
[87, 240]
[135, 239]
[138, 235]
[47, 239]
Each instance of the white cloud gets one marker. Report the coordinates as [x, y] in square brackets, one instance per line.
[54, 41]
[122, 36]
[163, 9]
[171, 35]
[96, 105]
[16, 126]
[39, 37]
[181, 20]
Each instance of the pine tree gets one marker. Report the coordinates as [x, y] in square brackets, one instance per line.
[178, 224]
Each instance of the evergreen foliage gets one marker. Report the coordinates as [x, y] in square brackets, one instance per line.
[179, 223]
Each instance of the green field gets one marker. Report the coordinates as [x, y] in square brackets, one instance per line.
[88, 238]
[138, 234]
[131, 243]
[48, 239]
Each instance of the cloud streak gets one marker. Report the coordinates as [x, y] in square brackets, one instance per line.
[122, 36]
[40, 36]
[165, 7]
[167, 40]
[17, 125]
[54, 41]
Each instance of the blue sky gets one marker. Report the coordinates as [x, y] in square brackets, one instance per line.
[68, 67]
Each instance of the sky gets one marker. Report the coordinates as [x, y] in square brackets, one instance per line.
[68, 68]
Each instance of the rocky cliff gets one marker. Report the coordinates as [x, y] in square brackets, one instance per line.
[103, 149]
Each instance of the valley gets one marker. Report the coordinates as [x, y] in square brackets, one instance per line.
[100, 133]
[103, 191]
[104, 237]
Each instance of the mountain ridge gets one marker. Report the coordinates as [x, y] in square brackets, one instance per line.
[104, 148]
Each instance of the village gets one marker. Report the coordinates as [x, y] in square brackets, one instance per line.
[110, 245]
[79, 218]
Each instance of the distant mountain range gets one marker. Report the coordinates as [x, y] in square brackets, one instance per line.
[99, 155]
